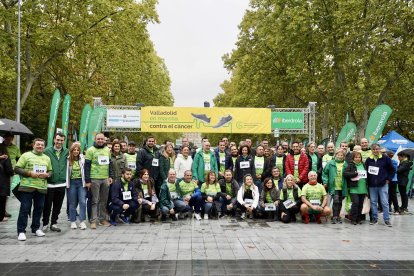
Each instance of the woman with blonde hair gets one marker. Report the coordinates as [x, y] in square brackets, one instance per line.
[75, 182]
[248, 197]
[290, 200]
[167, 159]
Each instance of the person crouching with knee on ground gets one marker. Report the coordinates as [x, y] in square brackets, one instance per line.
[247, 197]
[314, 199]
[124, 201]
[290, 200]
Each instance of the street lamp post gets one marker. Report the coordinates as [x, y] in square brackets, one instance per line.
[18, 71]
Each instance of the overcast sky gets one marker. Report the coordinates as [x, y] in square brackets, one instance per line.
[192, 37]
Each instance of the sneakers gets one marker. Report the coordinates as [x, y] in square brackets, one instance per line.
[354, 222]
[93, 225]
[44, 228]
[174, 217]
[222, 215]
[201, 117]
[39, 233]
[373, 221]
[388, 223]
[197, 216]
[243, 216]
[223, 121]
[163, 218]
[73, 225]
[55, 228]
[206, 216]
[82, 225]
[334, 220]
[21, 237]
[124, 219]
[105, 223]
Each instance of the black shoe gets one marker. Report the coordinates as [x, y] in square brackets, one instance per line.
[388, 224]
[373, 221]
[173, 217]
[7, 215]
[164, 218]
[354, 222]
[223, 121]
[201, 117]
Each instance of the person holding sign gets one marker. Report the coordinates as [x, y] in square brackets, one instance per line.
[204, 162]
[244, 165]
[332, 178]
[147, 198]
[290, 200]
[297, 164]
[34, 167]
[248, 197]
[314, 199]
[380, 174]
[123, 198]
[118, 160]
[211, 193]
[131, 157]
[355, 175]
[98, 177]
[269, 198]
[229, 188]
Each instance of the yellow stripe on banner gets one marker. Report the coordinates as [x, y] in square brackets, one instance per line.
[206, 120]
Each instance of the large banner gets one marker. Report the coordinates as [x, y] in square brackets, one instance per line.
[206, 120]
[376, 123]
[84, 125]
[288, 120]
[123, 118]
[347, 133]
[54, 107]
[95, 124]
[65, 117]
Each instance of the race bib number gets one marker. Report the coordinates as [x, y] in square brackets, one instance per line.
[373, 170]
[103, 160]
[315, 202]
[146, 194]
[259, 165]
[222, 160]
[127, 195]
[270, 207]
[173, 195]
[207, 166]
[39, 169]
[244, 165]
[248, 201]
[288, 203]
[132, 165]
[362, 174]
[155, 162]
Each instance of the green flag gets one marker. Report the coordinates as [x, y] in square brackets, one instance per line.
[54, 108]
[83, 131]
[376, 123]
[95, 124]
[347, 133]
[65, 117]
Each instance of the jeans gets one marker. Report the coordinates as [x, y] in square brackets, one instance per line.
[382, 192]
[180, 206]
[77, 194]
[100, 191]
[197, 203]
[26, 200]
[224, 202]
[54, 197]
[117, 210]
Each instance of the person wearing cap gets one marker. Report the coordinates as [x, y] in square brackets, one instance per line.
[131, 157]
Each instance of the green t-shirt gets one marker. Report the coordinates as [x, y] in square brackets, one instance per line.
[365, 154]
[234, 162]
[31, 161]
[187, 188]
[211, 190]
[76, 171]
[124, 183]
[279, 164]
[259, 164]
[131, 161]
[229, 189]
[171, 162]
[314, 158]
[268, 198]
[338, 177]
[326, 158]
[206, 158]
[296, 171]
[13, 152]
[99, 162]
[289, 194]
[362, 183]
[222, 158]
[171, 187]
[313, 192]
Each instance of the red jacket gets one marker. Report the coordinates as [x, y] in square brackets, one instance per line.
[303, 167]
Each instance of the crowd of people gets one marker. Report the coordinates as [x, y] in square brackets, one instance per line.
[114, 182]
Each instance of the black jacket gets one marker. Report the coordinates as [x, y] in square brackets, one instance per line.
[144, 161]
[403, 172]
[234, 187]
[239, 173]
[6, 171]
[351, 171]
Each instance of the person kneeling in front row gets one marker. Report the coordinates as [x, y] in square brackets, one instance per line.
[290, 200]
[247, 197]
[314, 199]
[124, 201]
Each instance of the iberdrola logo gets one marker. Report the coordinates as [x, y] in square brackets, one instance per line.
[278, 120]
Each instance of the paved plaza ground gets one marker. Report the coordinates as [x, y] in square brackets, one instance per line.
[214, 247]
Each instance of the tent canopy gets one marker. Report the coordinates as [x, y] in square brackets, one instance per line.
[392, 141]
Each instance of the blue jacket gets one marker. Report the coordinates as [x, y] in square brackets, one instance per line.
[116, 190]
[386, 170]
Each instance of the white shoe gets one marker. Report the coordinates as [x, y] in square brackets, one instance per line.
[243, 216]
[44, 228]
[197, 216]
[21, 237]
[205, 216]
[73, 225]
[39, 233]
[82, 225]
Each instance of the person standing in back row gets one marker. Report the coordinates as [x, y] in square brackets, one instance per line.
[149, 158]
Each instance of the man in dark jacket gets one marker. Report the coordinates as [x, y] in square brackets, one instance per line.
[148, 158]
[229, 188]
[380, 174]
[123, 198]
